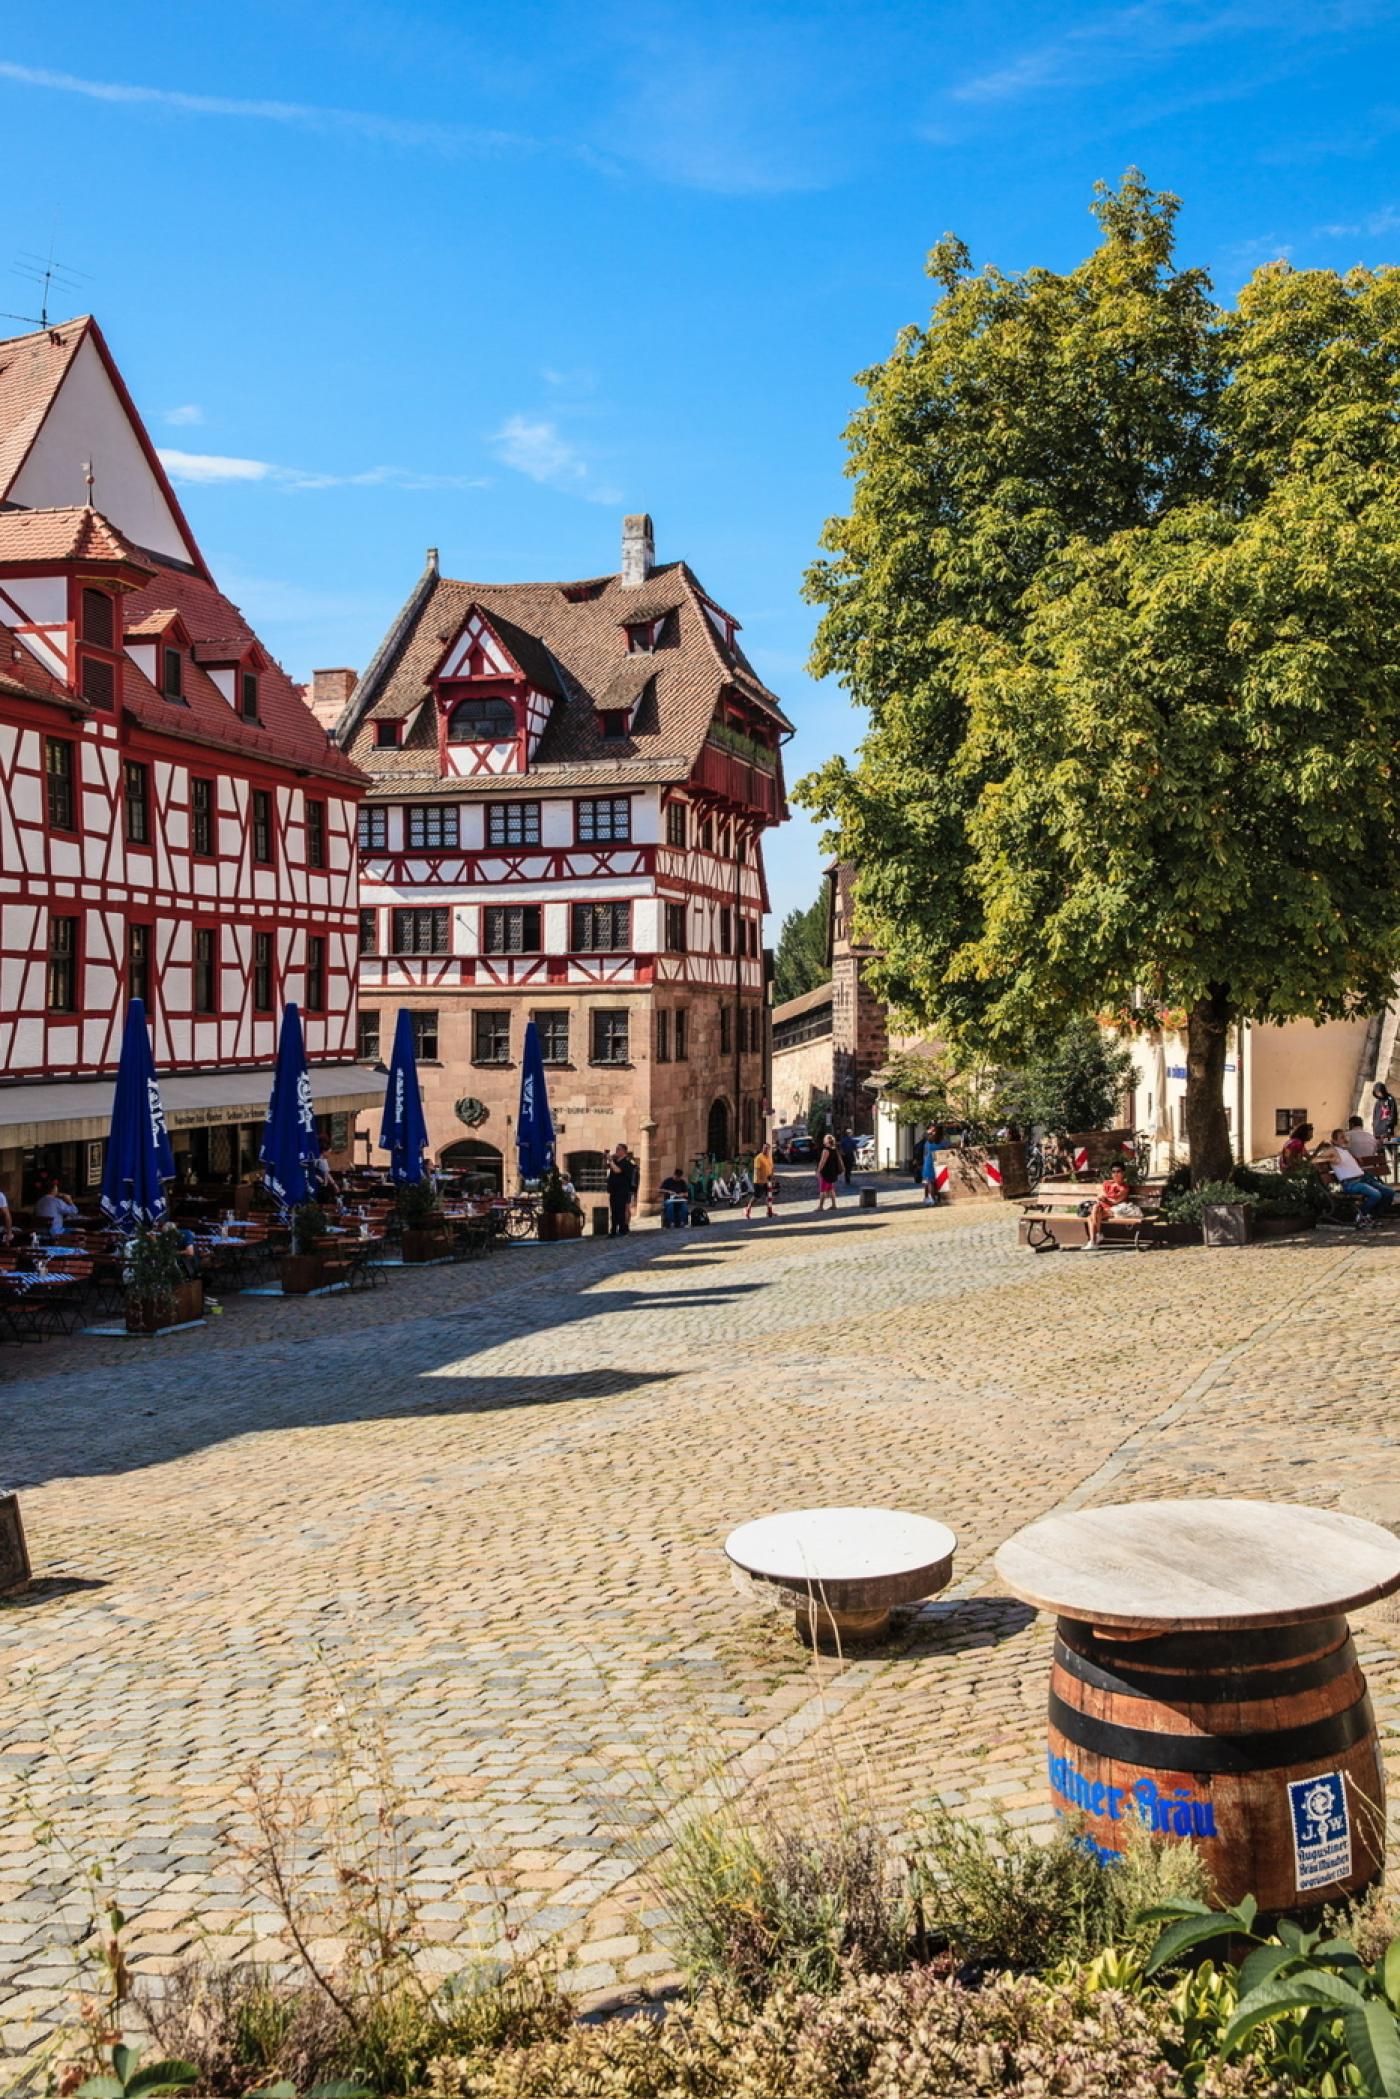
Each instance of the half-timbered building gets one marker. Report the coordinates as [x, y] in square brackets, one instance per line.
[174, 823]
[570, 787]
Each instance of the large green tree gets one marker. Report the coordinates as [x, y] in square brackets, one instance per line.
[800, 963]
[1120, 590]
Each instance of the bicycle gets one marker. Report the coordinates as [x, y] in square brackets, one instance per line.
[520, 1215]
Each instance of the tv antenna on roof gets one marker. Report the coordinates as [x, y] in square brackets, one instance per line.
[51, 276]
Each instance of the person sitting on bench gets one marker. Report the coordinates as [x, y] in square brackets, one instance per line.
[1352, 1178]
[1114, 1191]
[675, 1199]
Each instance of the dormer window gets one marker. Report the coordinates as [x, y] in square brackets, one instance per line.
[482, 719]
[723, 625]
[643, 635]
[99, 619]
[172, 675]
[388, 735]
[613, 724]
[247, 694]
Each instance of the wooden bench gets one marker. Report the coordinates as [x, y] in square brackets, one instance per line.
[1054, 1219]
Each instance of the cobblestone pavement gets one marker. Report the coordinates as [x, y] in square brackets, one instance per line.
[483, 1509]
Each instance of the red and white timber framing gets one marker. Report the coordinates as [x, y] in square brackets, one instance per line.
[102, 875]
[714, 884]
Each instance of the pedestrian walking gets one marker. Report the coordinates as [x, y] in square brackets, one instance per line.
[848, 1154]
[828, 1172]
[763, 1181]
[621, 1187]
[1385, 1117]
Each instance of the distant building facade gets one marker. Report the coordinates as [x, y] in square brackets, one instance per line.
[174, 824]
[829, 1043]
[570, 786]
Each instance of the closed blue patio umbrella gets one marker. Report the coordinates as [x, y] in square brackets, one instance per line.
[290, 1146]
[403, 1133]
[534, 1130]
[139, 1159]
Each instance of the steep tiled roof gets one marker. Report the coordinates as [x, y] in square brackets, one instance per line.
[32, 368]
[72, 534]
[20, 673]
[290, 732]
[577, 642]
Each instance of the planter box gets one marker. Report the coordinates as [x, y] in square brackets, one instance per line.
[143, 1316]
[427, 1244]
[301, 1273]
[1227, 1224]
[560, 1224]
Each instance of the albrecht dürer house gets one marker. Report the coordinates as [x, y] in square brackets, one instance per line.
[570, 783]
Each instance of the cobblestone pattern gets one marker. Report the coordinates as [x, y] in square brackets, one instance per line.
[491, 1500]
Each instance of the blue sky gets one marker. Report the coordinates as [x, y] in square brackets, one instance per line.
[484, 278]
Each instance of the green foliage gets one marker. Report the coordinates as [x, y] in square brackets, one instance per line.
[800, 963]
[1188, 1205]
[555, 1199]
[416, 1204]
[933, 1087]
[1072, 1080]
[756, 1905]
[151, 1267]
[128, 2080]
[309, 1223]
[1297, 1194]
[1331, 2018]
[1118, 590]
[999, 1898]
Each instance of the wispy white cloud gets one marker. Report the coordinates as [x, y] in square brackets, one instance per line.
[190, 413]
[537, 447]
[365, 124]
[211, 468]
[1372, 227]
[1146, 30]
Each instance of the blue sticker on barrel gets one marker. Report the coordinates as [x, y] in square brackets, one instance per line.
[1321, 1831]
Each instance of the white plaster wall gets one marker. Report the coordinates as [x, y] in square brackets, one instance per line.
[557, 823]
[87, 422]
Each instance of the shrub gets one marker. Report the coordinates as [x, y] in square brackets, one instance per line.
[1000, 1898]
[1188, 1205]
[309, 1223]
[416, 1203]
[917, 2035]
[753, 1905]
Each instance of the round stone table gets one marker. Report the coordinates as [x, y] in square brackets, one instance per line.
[1205, 1685]
[845, 1569]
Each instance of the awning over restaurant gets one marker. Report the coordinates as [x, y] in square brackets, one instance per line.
[68, 1111]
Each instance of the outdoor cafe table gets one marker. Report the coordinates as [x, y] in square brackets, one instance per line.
[1205, 1686]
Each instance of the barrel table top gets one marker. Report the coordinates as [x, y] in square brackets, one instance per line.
[1200, 1565]
[888, 1554]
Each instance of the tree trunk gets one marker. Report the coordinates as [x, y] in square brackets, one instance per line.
[1207, 1126]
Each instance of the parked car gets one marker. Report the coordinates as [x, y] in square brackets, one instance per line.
[794, 1150]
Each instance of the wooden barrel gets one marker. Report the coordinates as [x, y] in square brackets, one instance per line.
[1257, 1746]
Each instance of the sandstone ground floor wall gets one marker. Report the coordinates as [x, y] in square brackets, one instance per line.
[666, 1109]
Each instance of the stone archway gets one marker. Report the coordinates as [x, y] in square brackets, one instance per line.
[717, 1129]
[470, 1155]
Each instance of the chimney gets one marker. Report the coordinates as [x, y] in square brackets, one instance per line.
[328, 694]
[638, 550]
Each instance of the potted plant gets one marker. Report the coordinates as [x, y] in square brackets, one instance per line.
[1288, 1202]
[561, 1214]
[422, 1226]
[1223, 1209]
[303, 1269]
[158, 1292]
